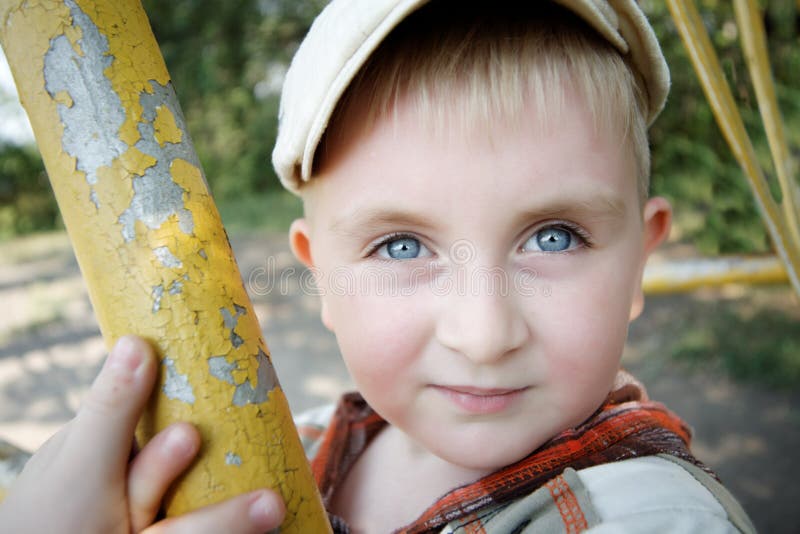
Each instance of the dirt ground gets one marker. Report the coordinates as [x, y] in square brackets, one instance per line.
[50, 349]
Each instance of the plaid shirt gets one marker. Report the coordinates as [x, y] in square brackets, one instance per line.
[628, 425]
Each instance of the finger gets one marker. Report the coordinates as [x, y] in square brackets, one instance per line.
[251, 513]
[156, 466]
[106, 420]
[43, 458]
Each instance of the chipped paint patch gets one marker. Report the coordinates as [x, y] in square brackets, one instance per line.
[175, 287]
[156, 195]
[158, 292]
[230, 321]
[219, 368]
[93, 115]
[232, 459]
[165, 127]
[245, 393]
[267, 380]
[176, 385]
[90, 110]
[167, 258]
[94, 199]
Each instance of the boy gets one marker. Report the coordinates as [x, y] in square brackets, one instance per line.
[475, 191]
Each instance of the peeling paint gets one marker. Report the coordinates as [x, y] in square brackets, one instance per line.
[90, 110]
[220, 368]
[158, 292]
[165, 127]
[167, 258]
[267, 380]
[232, 459]
[231, 321]
[236, 340]
[245, 393]
[156, 195]
[202, 253]
[176, 385]
[94, 199]
[92, 114]
[175, 287]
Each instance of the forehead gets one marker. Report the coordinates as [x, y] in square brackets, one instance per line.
[401, 162]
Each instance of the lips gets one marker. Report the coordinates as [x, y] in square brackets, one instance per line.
[481, 401]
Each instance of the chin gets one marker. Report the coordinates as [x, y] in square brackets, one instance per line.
[485, 459]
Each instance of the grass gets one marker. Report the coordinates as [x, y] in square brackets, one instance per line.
[754, 339]
[273, 212]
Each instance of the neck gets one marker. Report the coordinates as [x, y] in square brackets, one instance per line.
[383, 495]
[422, 464]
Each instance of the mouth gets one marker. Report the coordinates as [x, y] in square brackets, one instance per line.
[481, 401]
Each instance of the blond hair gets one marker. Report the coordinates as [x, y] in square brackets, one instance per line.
[465, 66]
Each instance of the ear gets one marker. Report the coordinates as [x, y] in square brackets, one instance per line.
[300, 243]
[657, 220]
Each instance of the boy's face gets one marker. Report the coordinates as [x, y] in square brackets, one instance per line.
[480, 285]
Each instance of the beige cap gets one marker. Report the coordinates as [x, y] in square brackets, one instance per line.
[347, 31]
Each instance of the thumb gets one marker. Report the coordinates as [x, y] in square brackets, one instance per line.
[116, 399]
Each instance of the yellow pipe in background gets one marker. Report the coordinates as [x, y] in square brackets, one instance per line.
[688, 275]
[718, 93]
[151, 245]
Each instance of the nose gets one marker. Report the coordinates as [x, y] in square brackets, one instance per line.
[484, 325]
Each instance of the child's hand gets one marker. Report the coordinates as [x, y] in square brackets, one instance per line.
[82, 479]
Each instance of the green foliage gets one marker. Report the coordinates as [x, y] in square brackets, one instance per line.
[271, 212]
[692, 164]
[26, 200]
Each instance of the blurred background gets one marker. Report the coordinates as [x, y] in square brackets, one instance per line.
[728, 360]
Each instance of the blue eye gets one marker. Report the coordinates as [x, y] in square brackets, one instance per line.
[552, 239]
[402, 248]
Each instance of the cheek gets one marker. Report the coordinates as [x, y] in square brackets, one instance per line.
[589, 357]
[583, 331]
[590, 313]
[600, 292]
[379, 336]
[581, 371]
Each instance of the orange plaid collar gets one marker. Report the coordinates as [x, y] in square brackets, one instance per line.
[627, 425]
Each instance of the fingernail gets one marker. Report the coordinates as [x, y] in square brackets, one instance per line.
[264, 511]
[126, 356]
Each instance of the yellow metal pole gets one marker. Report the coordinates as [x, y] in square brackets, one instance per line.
[718, 93]
[754, 44]
[151, 246]
[688, 275]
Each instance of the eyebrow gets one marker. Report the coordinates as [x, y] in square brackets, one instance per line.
[596, 206]
[372, 217]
